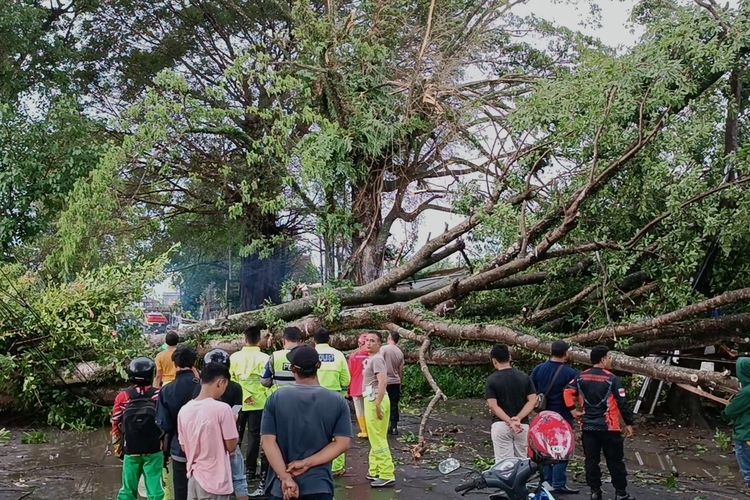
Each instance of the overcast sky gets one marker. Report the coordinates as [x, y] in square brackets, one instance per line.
[614, 30]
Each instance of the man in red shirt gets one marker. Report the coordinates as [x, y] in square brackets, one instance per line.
[356, 370]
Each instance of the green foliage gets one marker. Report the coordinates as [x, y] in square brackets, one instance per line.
[327, 305]
[40, 160]
[455, 382]
[34, 437]
[671, 481]
[723, 441]
[5, 436]
[47, 328]
[483, 464]
[408, 437]
[269, 318]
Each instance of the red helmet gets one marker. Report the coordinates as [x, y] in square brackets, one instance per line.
[550, 437]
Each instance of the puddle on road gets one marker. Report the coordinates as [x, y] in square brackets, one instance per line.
[71, 465]
[80, 466]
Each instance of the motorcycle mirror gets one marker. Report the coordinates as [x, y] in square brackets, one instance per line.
[448, 465]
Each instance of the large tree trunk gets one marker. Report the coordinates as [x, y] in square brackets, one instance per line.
[368, 242]
[261, 279]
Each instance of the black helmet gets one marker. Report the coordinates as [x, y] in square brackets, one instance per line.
[141, 370]
[217, 356]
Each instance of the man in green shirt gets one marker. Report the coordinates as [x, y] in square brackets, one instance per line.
[739, 412]
[333, 374]
[246, 368]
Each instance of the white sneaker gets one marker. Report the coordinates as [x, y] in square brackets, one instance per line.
[382, 483]
[259, 492]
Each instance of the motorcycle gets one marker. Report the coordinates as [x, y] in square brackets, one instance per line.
[550, 440]
[511, 477]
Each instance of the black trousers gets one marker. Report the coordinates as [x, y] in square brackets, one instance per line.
[394, 394]
[179, 480]
[315, 496]
[252, 419]
[612, 443]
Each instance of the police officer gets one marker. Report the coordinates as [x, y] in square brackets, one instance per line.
[247, 366]
[333, 374]
[277, 373]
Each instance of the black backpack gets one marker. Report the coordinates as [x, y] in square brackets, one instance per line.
[141, 434]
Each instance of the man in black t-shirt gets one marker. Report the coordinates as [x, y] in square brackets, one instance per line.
[511, 397]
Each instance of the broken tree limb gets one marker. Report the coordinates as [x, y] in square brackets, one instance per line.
[402, 313]
[613, 332]
[621, 362]
[561, 307]
[728, 326]
[420, 447]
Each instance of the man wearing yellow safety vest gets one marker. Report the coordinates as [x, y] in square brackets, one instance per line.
[278, 369]
[333, 374]
[246, 368]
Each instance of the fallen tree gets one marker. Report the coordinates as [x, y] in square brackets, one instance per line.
[593, 215]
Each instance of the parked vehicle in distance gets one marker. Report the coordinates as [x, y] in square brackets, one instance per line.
[156, 322]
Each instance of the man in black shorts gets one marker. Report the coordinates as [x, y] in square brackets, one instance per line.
[298, 430]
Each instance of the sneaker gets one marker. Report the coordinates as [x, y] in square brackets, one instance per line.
[259, 491]
[393, 431]
[371, 478]
[623, 495]
[596, 494]
[382, 483]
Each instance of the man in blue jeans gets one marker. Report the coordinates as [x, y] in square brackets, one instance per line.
[739, 412]
[550, 378]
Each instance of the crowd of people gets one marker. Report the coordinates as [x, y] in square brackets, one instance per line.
[291, 407]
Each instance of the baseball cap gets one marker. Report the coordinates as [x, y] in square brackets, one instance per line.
[303, 357]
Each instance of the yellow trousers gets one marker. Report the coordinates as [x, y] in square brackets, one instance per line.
[380, 459]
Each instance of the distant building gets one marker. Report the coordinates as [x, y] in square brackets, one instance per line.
[170, 298]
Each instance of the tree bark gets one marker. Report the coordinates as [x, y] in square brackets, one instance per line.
[731, 297]
[621, 362]
[368, 244]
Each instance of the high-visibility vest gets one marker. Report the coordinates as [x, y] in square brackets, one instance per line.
[333, 373]
[282, 373]
[246, 367]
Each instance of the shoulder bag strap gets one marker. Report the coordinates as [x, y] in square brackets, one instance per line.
[554, 377]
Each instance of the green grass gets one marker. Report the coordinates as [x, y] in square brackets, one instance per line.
[34, 437]
[4, 436]
[455, 382]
